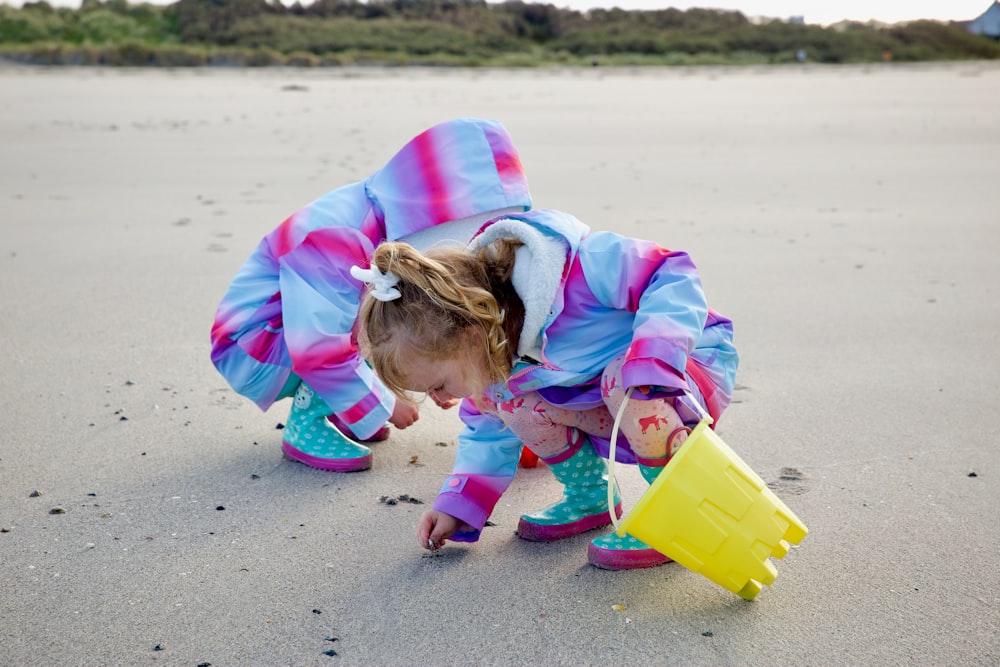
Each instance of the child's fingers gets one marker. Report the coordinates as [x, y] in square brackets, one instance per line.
[424, 532]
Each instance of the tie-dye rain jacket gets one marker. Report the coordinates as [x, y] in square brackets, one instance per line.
[610, 295]
[291, 308]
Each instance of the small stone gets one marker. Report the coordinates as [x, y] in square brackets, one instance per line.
[329, 652]
[57, 510]
[973, 474]
[220, 507]
[35, 494]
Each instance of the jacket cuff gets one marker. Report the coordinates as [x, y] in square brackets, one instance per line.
[470, 499]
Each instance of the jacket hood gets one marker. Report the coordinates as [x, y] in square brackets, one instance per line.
[452, 171]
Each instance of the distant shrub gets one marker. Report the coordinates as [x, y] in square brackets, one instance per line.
[260, 33]
[301, 59]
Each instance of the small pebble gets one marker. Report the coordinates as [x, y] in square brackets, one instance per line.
[57, 510]
[35, 494]
[973, 474]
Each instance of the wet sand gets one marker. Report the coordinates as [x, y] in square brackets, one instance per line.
[846, 218]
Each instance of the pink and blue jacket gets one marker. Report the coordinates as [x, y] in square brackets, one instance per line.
[290, 311]
[589, 298]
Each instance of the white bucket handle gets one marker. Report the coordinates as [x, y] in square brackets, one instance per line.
[614, 443]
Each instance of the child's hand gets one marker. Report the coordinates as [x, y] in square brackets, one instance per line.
[435, 528]
[403, 415]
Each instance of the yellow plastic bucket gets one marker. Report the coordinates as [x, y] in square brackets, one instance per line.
[708, 511]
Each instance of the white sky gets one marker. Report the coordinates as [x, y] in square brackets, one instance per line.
[825, 13]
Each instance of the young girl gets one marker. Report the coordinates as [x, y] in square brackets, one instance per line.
[284, 326]
[546, 325]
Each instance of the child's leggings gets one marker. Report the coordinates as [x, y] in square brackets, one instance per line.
[652, 425]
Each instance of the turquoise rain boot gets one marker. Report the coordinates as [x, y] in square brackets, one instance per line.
[309, 438]
[610, 552]
[584, 506]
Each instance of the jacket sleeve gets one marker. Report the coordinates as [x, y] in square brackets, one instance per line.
[321, 300]
[664, 291]
[485, 464]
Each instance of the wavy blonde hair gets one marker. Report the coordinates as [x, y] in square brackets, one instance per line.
[454, 304]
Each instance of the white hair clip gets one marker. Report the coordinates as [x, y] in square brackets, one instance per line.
[383, 284]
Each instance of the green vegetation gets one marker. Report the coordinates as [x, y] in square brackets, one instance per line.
[447, 32]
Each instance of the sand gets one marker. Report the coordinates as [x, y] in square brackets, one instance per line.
[845, 217]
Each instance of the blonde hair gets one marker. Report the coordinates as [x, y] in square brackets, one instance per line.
[450, 298]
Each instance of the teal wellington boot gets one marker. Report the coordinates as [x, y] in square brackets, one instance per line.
[584, 505]
[610, 552]
[311, 439]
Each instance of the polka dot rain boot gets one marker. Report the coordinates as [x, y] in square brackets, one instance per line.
[584, 506]
[311, 439]
[610, 552]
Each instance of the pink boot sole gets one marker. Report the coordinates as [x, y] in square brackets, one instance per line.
[616, 559]
[537, 532]
[333, 465]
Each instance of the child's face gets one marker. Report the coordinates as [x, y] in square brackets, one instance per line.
[442, 379]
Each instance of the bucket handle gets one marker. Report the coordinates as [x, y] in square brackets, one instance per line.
[614, 443]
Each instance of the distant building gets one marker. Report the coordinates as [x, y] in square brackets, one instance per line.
[987, 23]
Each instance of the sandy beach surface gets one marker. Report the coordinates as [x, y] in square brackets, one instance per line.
[846, 218]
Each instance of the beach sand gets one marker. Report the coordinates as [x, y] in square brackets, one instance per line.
[846, 218]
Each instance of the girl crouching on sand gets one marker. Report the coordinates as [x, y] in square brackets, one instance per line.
[284, 327]
[545, 325]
